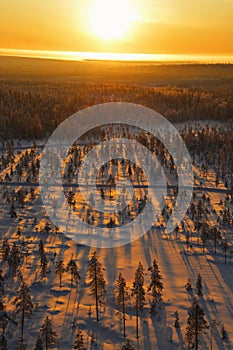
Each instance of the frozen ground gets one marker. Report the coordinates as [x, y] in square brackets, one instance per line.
[70, 308]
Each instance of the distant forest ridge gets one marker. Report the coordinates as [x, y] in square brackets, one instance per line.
[33, 110]
[110, 71]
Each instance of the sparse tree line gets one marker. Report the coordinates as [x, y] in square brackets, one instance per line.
[128, 298]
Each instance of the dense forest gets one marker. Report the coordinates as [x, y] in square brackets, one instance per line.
[33, 109]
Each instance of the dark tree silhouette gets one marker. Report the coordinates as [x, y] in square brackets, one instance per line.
[24, 306]
[138, 292]
[97, 284]
[197, 325]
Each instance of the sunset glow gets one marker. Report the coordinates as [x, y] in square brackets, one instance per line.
[170, 27]
[111, 19]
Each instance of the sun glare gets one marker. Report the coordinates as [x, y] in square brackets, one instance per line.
[111, 19]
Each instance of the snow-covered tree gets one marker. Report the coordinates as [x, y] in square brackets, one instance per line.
[199, 285]
[39, 344]
[47, 333]
[156, 285]
[121, 296]
[3, 342]
[60, 271]
[138, 292]
[79, 341]
[23, 306]
[97, 283]
[197, 325]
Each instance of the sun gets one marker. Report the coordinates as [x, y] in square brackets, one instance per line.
[111, 19]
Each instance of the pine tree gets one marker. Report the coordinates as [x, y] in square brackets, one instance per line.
[138, 292]
[199, 285]
[197, 325]
[156, 286]
[3, 342]
[39, 344]
[79, 342]
[47, 333]
[23, 305]
[121, 296]
[97, 283]
[60, 271]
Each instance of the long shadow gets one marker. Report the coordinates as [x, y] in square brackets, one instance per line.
[180, 337]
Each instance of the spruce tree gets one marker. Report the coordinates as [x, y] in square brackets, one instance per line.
[60, 271]
[177, 320]
[41, 250]
[4, 317]
[188, 285]
[3, 320]
[48, 334]
[39, 344]
[138, 292]
[97, 283]
[74, 273]
[121, 296]
[199, 285]
[197, 325]
[3, 342]
[5, 250]
[79, 342]
[24, 306]
[128, 346]
[1, 284]
[224, 334]
[44, 265]
[156, 285]
[13, 260]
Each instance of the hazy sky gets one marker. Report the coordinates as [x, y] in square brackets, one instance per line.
[166, 26]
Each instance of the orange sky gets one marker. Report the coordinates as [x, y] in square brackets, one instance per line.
[168, 26]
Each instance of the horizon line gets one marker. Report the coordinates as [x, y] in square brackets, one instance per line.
[108, 56]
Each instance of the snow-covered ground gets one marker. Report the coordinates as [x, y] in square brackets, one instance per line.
[70, 308]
